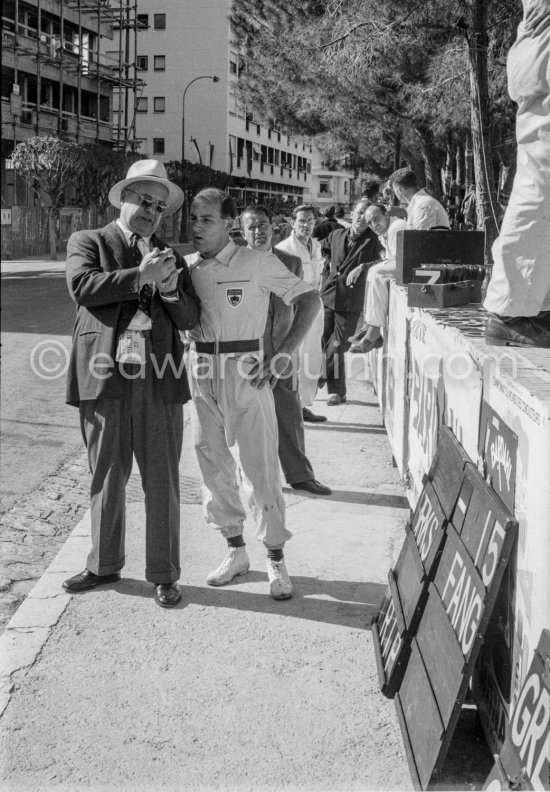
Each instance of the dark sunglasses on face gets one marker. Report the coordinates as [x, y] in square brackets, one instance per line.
[146, 202]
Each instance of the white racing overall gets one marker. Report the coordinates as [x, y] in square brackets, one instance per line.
[234, 424]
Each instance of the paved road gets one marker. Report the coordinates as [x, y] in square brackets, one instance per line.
[39, 432]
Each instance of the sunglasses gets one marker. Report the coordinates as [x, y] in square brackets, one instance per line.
[146, 203]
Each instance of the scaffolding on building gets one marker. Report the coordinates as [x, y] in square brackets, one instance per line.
[77, 58]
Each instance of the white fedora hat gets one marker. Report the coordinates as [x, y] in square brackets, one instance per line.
[153, 171]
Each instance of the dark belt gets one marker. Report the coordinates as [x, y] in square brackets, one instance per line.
[221, 347]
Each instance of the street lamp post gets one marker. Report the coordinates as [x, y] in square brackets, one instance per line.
[202, 77]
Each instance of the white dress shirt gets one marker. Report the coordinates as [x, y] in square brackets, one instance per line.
[425, 212]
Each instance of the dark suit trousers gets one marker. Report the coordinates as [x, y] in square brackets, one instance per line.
[114, 429]
[338, 328]
[292, 450]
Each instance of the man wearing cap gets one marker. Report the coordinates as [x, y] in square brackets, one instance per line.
[233, 412]
[127, 377]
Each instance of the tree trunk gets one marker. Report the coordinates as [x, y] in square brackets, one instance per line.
[414, 162]
[460, 166]
[184, 222]
[397, 152]
[52, 229]
[469, 163]
[432, 160]
[449, 159]
[481, 126]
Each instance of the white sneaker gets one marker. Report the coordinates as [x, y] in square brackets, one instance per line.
[280, 586]
[235, 563]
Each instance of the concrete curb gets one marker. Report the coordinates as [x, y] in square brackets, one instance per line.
[30, 627]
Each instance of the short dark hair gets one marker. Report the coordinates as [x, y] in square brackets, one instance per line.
[378, 206]
[303, 208]
[224, 201]
[329, 212]
[406, 178]
[370, 189]
[258, 209]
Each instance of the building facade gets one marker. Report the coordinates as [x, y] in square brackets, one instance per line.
[57, 79]
[188, 108]
[331, 186]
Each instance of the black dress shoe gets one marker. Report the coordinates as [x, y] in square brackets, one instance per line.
[87, 580]
[311, 417]
[167, 596]
[315, 487]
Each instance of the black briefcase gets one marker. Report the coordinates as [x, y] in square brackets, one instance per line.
[417, 249]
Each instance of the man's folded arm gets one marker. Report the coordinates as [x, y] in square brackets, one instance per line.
[89, 285]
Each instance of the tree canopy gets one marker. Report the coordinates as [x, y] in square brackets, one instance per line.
[388, 80]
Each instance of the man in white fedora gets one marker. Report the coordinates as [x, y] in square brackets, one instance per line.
[127, 377]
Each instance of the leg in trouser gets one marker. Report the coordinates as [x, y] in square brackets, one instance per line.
[520, 282]
[229, 412]
[292, 454]
[338, 328]
[158, 435]
[518, 295]
[376, 307]
[107, 430]
[378, 293]
[310, 356]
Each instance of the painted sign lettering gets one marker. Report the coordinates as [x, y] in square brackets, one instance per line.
[498, 448]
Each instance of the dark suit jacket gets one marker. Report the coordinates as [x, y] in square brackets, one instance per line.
[101, 276]
[334, 292]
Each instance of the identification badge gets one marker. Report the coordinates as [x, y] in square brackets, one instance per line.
[131, 348]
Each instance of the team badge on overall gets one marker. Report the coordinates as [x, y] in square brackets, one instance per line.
[234, 297]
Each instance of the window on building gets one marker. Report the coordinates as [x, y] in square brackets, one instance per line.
[143, 21]
[159, 23]
[158, 145]
[232, 67]
[323, 187]
[141, 106]
[142, 62]
[345, 188]
[159, 104]
[159, 63]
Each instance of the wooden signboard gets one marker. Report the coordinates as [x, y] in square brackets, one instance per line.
[447, 470]
[525, 754]
[450, 630]
[407, 590]
[497, 780]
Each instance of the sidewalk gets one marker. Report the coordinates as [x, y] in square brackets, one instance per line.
[231, 690]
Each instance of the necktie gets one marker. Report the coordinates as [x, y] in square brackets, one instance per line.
[146, 291]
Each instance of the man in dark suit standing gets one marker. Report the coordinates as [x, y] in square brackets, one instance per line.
[127, 375]
[258, 231]
[350, 252]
